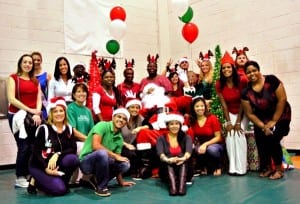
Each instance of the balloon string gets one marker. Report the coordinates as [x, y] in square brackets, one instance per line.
[191, 56]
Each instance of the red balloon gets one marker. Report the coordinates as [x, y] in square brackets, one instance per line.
[117, 13]
[190, 32]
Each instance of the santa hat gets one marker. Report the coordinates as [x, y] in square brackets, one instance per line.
[240, 52]
[122, 111]
[129, 64]
[174, 116]
[183, 59]
[56, 101]
[227, 59]
[206, 56]
[133, 101]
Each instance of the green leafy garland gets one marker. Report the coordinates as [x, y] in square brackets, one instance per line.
[216, 107]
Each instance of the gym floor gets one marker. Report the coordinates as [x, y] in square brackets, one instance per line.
[205, 189]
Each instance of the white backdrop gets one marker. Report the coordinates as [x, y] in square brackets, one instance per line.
[86, 26]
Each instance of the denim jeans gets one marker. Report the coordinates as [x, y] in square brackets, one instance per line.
[103, 167]
[212, 157]
[23, 152]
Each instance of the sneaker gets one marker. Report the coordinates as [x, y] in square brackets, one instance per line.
[189, 183]
[137, 177]
[21, 182]
[103, 192]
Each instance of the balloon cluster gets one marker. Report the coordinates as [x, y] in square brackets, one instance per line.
[117, 29]
[185, 13]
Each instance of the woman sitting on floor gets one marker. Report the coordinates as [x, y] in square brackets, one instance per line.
[54, 153]
[174, 149]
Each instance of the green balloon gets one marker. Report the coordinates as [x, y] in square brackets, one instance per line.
[187, 16]
[112, 46]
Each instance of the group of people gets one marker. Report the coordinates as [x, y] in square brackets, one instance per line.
[161, 126]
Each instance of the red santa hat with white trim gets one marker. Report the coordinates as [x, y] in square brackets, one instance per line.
[56, 101]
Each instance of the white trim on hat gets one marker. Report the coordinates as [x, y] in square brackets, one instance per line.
[133, 102]
[174, 116]
[183, 59]
[60, 102]
[122, 111]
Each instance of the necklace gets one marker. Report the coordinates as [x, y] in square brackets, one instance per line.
[59, 142]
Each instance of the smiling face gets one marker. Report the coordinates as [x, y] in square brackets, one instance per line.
[184, 65]
[58, 114]
[174, 79]
[108, 79]
[80, 95]
[63, 67]
[199, 108]
[174, 126]
[241, 60]
[129, 74]
[253, 74]
[37, 60]
[119, 121]
[205, 66]
[227, 70]
[152, 69]
[134, 110]
[26, 64]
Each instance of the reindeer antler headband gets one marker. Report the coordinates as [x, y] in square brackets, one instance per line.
[240, 52]
[129, 64]
[152, 59]
[206, 56]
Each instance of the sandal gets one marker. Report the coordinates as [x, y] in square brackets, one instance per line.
[203, 171]
[276, 175]
[266, 173]
[217, 172]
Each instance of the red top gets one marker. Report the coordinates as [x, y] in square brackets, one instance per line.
[232, 96]
[174, 151]
[107, 103]
[207, 131]
[242, 74]
[123, 88]
[159, 80]
[28, 92]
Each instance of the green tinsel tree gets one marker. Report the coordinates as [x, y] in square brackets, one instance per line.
[216, 107]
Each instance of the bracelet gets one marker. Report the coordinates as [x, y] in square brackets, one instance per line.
[237, 123]
[227, 123]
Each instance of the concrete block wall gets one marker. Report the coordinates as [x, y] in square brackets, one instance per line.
[269, 28]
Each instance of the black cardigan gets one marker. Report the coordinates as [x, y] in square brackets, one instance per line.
[64, 142]
[184, 141]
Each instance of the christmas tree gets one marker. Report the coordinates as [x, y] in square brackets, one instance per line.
[216, 107]
[94, 81]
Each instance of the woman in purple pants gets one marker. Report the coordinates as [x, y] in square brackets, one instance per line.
[54, 153]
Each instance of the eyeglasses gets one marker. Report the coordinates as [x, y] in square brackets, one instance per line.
[184, 62]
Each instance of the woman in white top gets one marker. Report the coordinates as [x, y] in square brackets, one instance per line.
[62, 84]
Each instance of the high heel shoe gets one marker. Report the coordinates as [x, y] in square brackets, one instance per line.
[31, 189]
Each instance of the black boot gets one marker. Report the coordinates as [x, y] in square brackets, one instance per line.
[172, 181]
[31, 189]
[182, 180]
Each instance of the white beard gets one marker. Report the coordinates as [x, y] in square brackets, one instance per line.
[156, 98]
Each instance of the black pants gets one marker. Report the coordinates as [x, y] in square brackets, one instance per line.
[269, 147]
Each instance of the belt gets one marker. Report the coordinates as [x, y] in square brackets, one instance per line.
[163, 110]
